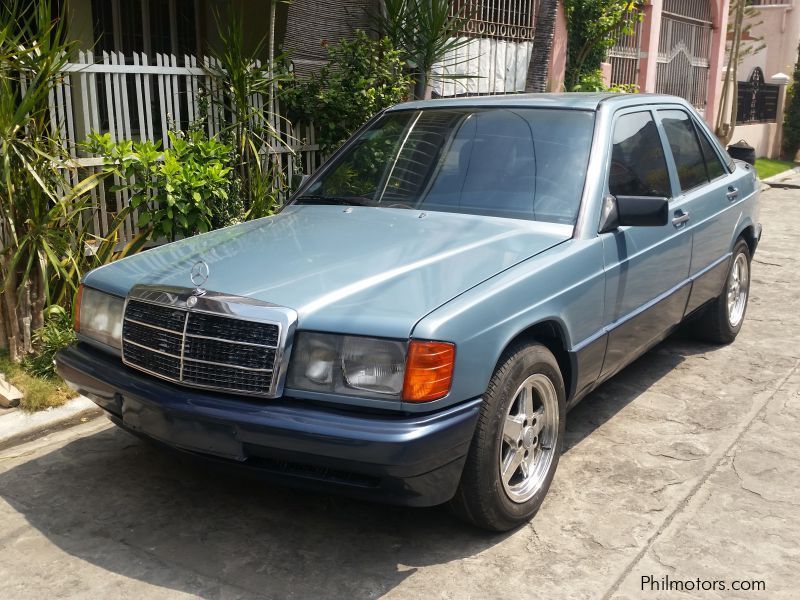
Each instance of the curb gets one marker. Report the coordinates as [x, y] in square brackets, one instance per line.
[781, 179]
[20, 427]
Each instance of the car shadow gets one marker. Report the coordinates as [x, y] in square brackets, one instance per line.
[623, 388]
[118, 503]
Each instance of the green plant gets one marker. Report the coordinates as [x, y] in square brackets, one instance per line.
[791, 119]
[252, 127]
[362, 77]
[38, 207]
[593, 82]
[593, 26]
[766, 167]
[425, 31]
[56, 334]
[38, 392]
[179, 192]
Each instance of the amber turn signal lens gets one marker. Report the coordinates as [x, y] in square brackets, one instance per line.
[76, 309]
[429, 370]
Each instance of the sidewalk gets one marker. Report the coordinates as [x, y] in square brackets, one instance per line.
[18, 426]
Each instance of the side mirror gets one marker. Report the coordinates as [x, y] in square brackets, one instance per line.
[637, 211]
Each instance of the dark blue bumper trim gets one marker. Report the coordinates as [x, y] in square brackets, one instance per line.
[415, 460]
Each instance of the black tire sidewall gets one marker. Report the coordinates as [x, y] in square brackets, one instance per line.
[741, 247]
[518, 366]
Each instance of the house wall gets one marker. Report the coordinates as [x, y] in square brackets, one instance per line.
[651, 33]
[779, 30]
[779, 26]
[761, 136]
[312, 24]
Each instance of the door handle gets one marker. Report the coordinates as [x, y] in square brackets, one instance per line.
[733, 193]
[681, 216]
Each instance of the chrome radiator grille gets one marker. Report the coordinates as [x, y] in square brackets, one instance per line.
[173, 340]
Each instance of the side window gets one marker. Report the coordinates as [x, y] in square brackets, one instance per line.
[685, 148]
[638, 165]
[713, 164]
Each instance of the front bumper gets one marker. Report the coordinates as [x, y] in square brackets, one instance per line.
[413, 460]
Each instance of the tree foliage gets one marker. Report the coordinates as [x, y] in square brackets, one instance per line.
[425, 31]
[251, 128]
[363, 76]
[791, 119]
[40, 211]
[593, 27]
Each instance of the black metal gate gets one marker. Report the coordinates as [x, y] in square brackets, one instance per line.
[758, 101]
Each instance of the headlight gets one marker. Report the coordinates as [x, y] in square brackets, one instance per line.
[372, 367]
[345, 364]
[99, 316]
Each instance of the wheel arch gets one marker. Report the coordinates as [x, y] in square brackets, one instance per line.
[552, 334]
[749, 235]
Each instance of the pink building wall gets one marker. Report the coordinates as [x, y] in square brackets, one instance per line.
[648, 64]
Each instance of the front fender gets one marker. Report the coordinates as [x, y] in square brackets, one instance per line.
[565, 285]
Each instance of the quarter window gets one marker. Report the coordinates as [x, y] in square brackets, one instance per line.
[685, 146]
[713, 164]
[638, 165]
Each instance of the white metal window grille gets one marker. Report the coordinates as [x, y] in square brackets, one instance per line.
[495, 58]
[504, 19]
[684, 50]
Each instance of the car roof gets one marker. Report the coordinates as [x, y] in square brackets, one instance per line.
[571, 100]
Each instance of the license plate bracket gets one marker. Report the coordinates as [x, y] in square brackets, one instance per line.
[216, 439]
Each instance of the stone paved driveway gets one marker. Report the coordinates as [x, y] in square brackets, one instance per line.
[686, 466]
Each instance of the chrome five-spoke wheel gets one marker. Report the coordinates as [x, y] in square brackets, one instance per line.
[529, 431]
[515, 449]
[738, 286]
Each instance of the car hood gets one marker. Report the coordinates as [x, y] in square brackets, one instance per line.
[367, 270]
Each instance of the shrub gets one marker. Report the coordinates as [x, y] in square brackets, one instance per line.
[791, 119]
[363, 77]
[593, 82]
[178, 192]
[56, 334]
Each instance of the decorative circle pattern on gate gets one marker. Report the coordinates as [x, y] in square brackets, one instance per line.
[684, 49]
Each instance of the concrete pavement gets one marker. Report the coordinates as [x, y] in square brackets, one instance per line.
[685, 466]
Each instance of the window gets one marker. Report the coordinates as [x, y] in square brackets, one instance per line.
[522, 163]
[713, 164]
[149, 26]
[685, 147]
[638, 165]
[496, 19]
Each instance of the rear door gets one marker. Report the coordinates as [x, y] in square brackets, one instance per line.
[710, 194]
[647, 268]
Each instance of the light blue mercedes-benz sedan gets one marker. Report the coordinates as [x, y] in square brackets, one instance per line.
[415, 324]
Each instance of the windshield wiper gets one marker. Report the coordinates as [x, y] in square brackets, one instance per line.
[341, 200]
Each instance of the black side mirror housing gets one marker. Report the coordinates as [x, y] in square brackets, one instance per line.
[636, 211]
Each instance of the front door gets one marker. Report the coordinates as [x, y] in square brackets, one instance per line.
[647, 268]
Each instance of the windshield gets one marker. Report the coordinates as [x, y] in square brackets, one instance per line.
[523, 163]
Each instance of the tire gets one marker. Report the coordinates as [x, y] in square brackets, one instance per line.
[721, 322]
[524, 437]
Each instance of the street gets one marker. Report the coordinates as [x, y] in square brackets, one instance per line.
[686, 466]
